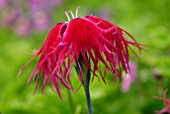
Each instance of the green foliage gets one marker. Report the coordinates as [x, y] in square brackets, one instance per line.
[147, 21]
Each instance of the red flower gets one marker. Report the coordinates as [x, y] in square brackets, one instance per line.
[90, 37]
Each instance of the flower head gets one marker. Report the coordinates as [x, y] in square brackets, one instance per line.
[90, 38]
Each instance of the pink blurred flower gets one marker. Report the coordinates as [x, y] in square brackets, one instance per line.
[9, 16]
[3, 3]
[38, 12]
[22, 26]
[129, 77]
[40, 21]
[90, 38]
[36, 5]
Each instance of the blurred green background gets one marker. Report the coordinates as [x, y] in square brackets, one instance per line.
[147, 20]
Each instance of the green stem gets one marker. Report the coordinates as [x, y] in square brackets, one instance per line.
[89, 106]
[86, 75]
[70, 102]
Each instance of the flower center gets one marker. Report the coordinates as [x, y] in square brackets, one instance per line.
[71, 13]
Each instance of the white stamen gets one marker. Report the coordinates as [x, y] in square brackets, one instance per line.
[70, 11]
[77, 8]
[67, 15]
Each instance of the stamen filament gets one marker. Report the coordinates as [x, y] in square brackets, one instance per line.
[77, 8]
[67, 15]
[70, 11]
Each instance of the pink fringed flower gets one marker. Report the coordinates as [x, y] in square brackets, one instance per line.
[89, 38]
[165, 110]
